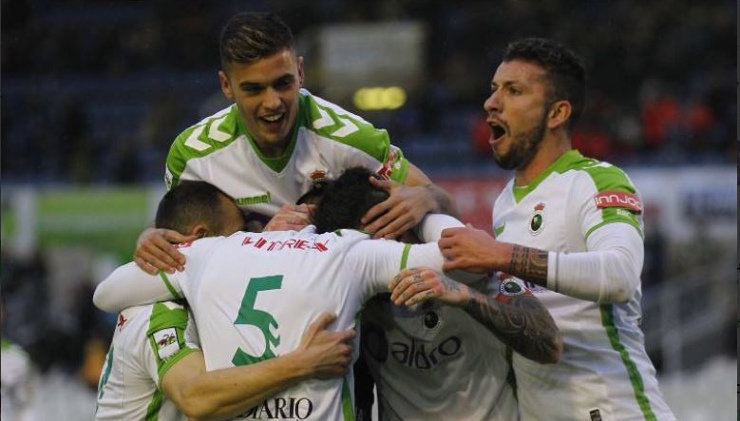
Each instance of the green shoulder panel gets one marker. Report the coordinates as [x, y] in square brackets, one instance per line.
[166, 335]
[611, 181]
[607, 177]
[336, 123]
[205, 137]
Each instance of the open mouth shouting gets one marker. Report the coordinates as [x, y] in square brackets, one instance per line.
[498, 131]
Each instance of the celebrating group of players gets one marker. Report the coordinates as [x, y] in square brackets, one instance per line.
[538, 322]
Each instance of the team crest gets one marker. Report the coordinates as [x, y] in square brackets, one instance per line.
[537, 221]
[509, 288]
[317, 175]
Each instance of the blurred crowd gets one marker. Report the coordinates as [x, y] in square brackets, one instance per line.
[96, 92]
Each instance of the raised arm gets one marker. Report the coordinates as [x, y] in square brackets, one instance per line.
[407, 204]
[128, 286]
[155, 250]
[608, 272]
[224, 393]
[514, 315]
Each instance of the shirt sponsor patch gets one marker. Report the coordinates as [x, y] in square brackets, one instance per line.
[166, 342]
[618, 199]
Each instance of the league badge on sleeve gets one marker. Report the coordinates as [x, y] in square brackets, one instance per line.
[166, 342]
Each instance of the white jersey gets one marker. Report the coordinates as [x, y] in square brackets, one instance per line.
[254, 294]
[326, 140]
[435, 363]
[148, 340]
[604, 371]
[17, 379]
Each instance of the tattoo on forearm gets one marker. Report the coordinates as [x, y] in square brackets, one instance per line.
[523, 324]
[529, 264]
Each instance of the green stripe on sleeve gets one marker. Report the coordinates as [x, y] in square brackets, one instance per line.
[169, 286]
[602, 223]
[164, 368]
[348, 410]
[607, 319]
[405, 256]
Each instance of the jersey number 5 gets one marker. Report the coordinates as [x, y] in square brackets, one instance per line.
[263, 320]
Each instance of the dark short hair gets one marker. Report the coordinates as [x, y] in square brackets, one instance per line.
[565, 72]
[346, 200]
[314, 194]
[250, 36]
[190, 203]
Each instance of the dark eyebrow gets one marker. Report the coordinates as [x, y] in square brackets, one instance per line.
[287, 78]
[250, 85]
[284, 79]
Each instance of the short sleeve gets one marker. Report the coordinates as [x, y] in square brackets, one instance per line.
[605, 195]
[166, 338]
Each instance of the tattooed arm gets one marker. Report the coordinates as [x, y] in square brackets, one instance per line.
[474, 250]
[528, 263]
[519, 321]
[608, 272]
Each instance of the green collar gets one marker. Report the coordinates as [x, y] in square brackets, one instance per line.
[560, 165]
[278, 163]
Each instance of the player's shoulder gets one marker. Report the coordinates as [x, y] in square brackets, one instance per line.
[341, 240]
[167, 314]
[205, 137]
[349, 235]
[331, 122]
[201, 246]
[10, 348]
[603, 175]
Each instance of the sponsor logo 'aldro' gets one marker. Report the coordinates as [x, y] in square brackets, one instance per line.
[411, 353]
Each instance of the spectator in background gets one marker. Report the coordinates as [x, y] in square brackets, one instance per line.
[661, 117]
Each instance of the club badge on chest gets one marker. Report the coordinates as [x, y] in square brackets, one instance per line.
[537, 221]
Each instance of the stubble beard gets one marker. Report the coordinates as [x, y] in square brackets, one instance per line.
[523, 147]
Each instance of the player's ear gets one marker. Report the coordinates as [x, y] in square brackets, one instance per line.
[558, 114]
[199, 230]
[223, 81]
[299, 62]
